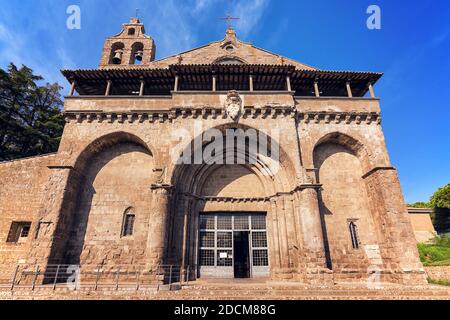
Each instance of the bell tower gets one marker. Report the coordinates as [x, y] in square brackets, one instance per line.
[131, 47]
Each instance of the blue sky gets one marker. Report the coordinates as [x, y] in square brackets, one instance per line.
[412, 49]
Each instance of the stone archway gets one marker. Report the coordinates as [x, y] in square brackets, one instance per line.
[250, 187]
[350, 231]
[110, 175]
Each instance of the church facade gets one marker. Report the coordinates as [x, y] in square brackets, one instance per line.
[226, 159]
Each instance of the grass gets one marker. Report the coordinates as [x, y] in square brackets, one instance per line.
[437, 253]
[439, 282]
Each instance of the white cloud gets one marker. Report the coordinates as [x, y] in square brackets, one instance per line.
[19, 49]
[250, 13]
[10, 46]
[174, 24]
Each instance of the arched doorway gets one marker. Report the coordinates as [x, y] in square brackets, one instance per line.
[225, 210]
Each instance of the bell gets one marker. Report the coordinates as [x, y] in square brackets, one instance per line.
[117, 59]
[139, 55]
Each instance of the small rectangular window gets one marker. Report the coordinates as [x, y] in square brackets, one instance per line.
[128, 225]
[354, 234]
[18, 232]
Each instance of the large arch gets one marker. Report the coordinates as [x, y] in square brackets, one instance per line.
[280, 175]
[341, 161]
[99, 190]
[209, 188]
[354, 145]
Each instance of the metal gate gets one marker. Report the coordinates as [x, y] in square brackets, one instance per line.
[218, 246]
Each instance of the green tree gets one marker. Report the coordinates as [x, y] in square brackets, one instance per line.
[441, 204]
[420, 205]
[31, 122]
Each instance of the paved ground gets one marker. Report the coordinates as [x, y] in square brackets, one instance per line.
[226, 290]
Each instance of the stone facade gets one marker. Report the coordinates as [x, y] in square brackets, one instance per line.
[117, 156]
[422, 224]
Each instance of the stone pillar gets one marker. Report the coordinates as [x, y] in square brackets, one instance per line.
[349, 90]
[312, 231]
[316, 89]
[142, 88]
[400, 249]
[372, 92]
[186, 226]
[214, 83]
[108, 88]
[273, 238]
[72, 88]
[293, 246]
[157, 230]
[175, 86]
[50, 237]
[288, 84]
[280, 225]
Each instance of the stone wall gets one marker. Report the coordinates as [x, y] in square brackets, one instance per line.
[113, 158]
[438, 273]
[234, 181]
[21, 192]
[422, 224]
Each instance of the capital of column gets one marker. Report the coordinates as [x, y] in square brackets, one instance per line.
[161, 188]
[314, 186]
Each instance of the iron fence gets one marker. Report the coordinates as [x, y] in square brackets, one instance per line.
[76, 277]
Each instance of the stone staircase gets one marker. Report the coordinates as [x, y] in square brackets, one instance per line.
[236, 290]
[283, 291]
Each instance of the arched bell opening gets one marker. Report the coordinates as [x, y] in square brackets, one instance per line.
[116, 55]
[137, 53]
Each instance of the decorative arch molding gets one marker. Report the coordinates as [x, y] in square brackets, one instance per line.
[192, 193]
[187, 178]
[230, 59]
[106, 141]
[355, 146]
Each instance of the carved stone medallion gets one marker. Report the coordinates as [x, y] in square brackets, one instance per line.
[233, 105]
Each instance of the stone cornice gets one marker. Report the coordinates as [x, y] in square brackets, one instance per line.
[210, 112]
[162, 186]
[60, 167]
[376, 169]
[191, 112]
[316, 117]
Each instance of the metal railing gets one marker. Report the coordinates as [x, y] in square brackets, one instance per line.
[76, 277]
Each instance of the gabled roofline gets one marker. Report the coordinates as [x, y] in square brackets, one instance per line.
[243, 42]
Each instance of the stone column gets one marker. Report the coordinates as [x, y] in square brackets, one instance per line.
[157, 230]
[278, 211]
[273, 237]
[185, 244]
[292, 232]
[311, 224]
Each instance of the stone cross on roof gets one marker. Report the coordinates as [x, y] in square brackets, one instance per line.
[229, 20]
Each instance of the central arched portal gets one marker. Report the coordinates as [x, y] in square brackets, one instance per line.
[225, 210]
[232, 233]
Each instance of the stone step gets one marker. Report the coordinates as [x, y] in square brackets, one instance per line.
[239, 292]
